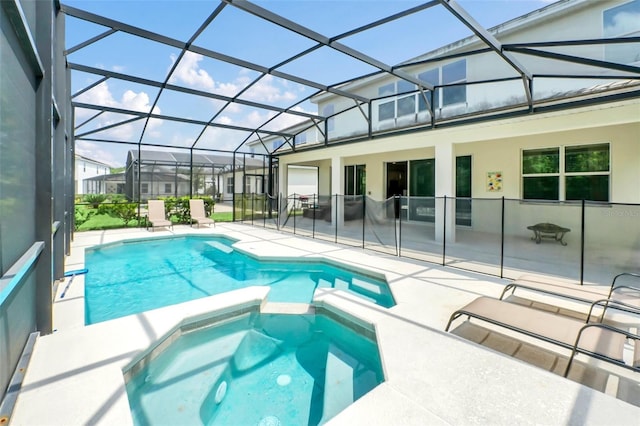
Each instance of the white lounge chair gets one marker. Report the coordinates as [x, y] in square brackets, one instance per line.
[198, 214]
[157, 216]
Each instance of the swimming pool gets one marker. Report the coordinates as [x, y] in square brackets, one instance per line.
[257, 369]
[131, 277]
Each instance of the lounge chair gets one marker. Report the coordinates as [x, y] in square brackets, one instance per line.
[198, 214]
[598, 340]
[157, 216]
[629, 294]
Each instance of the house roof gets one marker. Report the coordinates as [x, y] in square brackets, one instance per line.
[173, 158]
[91, 160]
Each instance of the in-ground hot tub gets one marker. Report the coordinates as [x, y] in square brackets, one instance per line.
[256, 369]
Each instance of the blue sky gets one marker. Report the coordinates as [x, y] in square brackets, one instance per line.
[251, 39]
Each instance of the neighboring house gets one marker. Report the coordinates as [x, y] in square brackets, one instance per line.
[85, 170]
[162, 183]
[578, 140]
[113, 183]
[151, 174]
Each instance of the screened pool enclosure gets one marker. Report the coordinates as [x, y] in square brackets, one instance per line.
[218, 98]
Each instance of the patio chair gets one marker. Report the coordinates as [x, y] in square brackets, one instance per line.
[198, 214]
[595, 339]
[628, 293]
[157, 216]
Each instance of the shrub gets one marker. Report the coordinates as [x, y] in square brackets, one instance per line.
[124, 211]
[82, 214]
[94, 199]
[178, 208]
[117, 198]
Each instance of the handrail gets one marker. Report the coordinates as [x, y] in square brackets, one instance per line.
[55, 226]
[18, 270]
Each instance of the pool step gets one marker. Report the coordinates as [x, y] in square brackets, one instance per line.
[219, 246]
[287, 308]
[338, 384]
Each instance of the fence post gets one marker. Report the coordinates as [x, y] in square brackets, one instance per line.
[399, 237]
[253, 199]
[264, 210]
[364, 213]
[582, 245]
[313, 222]
[502, 241]
[444, 231]
[335, 209]
[278, 207]
[293, 212]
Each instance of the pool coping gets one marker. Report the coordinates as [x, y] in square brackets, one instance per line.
[430, 376]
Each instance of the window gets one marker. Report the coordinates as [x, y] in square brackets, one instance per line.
[566, 173]
[387, 108]
[432, 77]
[455, 72]
[622, 21]
[355, 178]
[300, 138]
[406, 104]
[230, 185]
[422, 178]
[327, 111]
[422, 186]
[247, 185]
[541, 174]
[144, 188]
[167, 188]
[463, 190]
[277, 144]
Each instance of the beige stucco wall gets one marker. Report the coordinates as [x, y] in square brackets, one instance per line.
[497, 145]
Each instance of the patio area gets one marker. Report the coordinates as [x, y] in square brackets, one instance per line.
[432, 377]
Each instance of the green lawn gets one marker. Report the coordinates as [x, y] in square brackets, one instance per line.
[104, 221]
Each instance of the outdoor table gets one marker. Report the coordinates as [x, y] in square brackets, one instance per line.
[548, 230]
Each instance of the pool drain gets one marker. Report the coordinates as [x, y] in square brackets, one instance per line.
[283, 379]
[270, 421]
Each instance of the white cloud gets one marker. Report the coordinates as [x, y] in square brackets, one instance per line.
[225, 120]
[266, 90]
[189, 72]
[101, 152]
[130, 100]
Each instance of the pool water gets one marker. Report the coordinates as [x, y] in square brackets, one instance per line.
[132, 277]
[257, 369]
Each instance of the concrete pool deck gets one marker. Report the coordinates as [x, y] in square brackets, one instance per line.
[432, 377]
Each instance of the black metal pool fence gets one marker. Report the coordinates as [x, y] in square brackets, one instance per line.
[587, 242]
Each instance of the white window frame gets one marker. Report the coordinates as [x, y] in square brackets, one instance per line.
[230, 189]
[394, 86]
[562, 174]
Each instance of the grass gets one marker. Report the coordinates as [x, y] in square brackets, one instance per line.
[104, 221]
